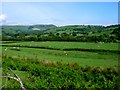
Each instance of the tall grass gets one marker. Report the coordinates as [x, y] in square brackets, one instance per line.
[56, 75]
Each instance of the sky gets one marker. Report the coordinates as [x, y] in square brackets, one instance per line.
[60, 0]
[59, 13]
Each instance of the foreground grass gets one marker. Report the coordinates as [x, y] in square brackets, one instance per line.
[46, 75]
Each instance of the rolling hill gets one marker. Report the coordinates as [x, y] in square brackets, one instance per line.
[69, 32]
[8, 30]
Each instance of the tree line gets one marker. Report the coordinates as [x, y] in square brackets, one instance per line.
[84, 38]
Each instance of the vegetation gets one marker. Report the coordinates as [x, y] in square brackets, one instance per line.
[79, 33]
[82, 53]
[66, 45]
[56, 75]
[62, 58]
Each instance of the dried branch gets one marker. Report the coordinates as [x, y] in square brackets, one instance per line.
[16, 78]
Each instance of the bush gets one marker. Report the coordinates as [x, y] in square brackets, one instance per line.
[62, 76]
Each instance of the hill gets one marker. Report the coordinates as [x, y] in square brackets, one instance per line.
[63, 33]
[84, 29]
[16, 30]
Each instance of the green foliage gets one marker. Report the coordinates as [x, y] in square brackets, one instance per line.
[79, 33]
[56, 75]
[22, 31]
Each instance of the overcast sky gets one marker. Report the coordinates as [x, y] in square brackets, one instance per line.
[59, 13]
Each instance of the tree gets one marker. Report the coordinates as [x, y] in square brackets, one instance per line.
[57, 34]
[74, 34]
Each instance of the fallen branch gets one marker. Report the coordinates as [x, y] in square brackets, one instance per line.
[16, 78]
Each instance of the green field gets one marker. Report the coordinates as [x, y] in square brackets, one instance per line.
[59, 68]
[81, 57]
[62, 45]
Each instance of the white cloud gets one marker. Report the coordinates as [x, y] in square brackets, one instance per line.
[2, 17]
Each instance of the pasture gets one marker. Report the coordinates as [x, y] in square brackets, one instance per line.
[63, 45]
[51, 65]
[83, 58]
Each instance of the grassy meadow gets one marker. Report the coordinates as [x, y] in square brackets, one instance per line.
[83, 58]
[53, 65]
[63, 45]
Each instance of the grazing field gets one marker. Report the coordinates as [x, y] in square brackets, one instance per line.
[63, 45]
[81, 57]
[59, 68]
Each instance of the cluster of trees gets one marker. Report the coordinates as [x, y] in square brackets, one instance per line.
[65, 33]
[64, 37]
